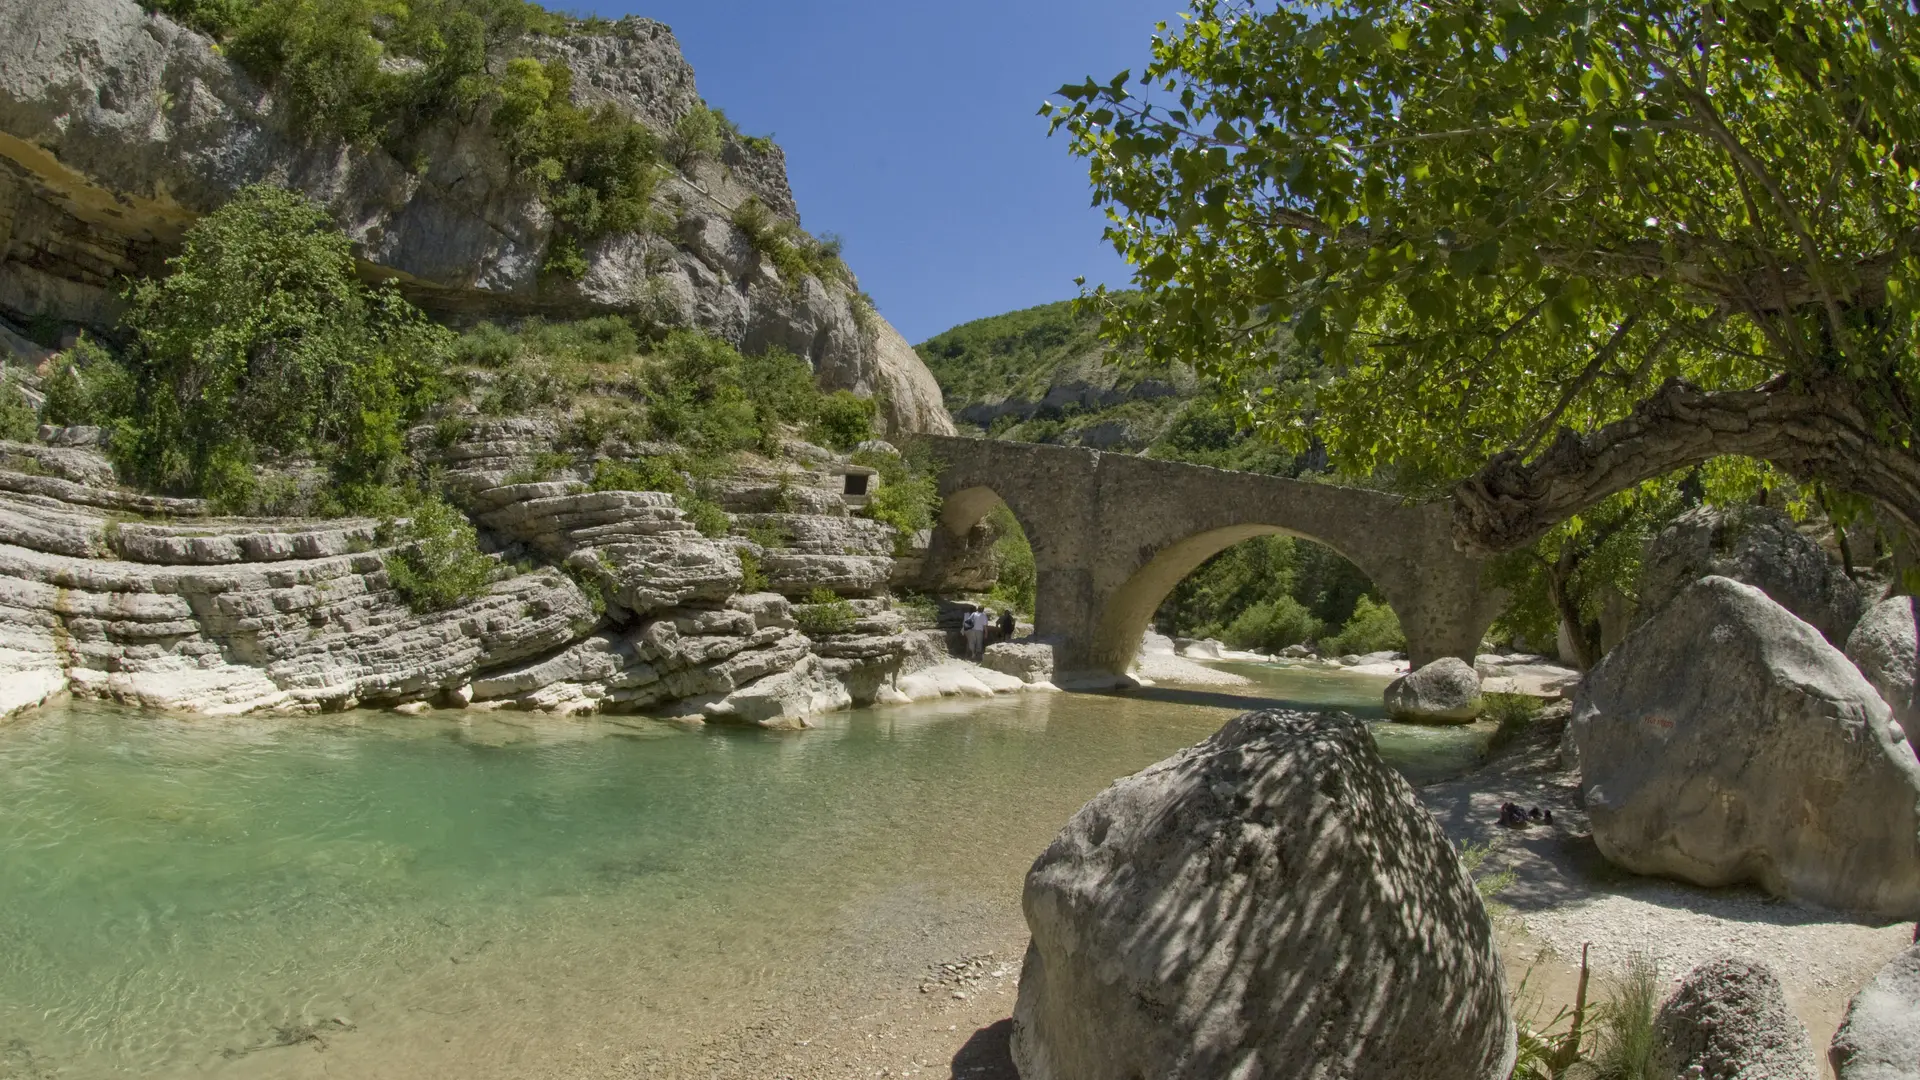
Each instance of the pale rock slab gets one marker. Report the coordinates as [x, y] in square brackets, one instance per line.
[1880, 1037]
[1725, 741]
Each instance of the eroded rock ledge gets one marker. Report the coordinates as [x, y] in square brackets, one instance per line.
[618, 604]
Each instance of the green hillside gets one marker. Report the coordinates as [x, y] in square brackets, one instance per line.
[1043, 375]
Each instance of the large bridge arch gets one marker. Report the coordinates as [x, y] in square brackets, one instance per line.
[1113, 533]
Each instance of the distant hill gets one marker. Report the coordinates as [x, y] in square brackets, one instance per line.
[1043, 375]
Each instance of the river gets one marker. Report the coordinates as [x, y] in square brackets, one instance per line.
[470, 893]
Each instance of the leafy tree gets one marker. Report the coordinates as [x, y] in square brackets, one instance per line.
[1535, 251]
[262, 339]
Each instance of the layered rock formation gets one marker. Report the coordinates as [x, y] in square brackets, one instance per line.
[606, 600]
[1726, 741]
[1271, 902]
[119, 128]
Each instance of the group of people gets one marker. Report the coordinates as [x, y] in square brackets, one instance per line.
[978, 624]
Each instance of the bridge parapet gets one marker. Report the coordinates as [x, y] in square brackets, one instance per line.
[1112, 534]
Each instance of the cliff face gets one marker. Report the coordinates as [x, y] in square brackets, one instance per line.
[119, 128]
[604, 601]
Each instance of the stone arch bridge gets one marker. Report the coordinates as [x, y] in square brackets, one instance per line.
[1113, 533]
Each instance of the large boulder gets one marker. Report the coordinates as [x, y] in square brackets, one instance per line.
[1880, 1037]
[1757, 545]
[1273, 902]
[1883, 646]
[1725, 741]
[1446, 691]
[1729, 1021]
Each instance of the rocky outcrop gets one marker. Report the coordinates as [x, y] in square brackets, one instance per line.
[1028, 661]
[1271, 902]
[1729, 1020]
[1884, 647]
[119, 128]
[621, 603]
[1446, 691]
[1757, 545]
[1724, 741]
[1880, 1037]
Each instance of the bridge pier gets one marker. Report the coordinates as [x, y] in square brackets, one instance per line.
[1112, 534]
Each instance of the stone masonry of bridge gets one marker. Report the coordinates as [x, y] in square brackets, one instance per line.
[1112, 534]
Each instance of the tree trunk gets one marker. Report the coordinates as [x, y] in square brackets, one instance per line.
[1817, 430]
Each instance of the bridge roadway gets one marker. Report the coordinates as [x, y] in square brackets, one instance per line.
[1113, 533]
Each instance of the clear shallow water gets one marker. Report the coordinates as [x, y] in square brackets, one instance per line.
[177, 893]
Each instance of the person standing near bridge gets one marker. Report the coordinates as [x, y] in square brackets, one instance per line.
[973, 627]
[1007, 624]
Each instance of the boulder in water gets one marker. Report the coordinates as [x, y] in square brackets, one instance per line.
[1724, 741]
[1729, 1019]
[1274, 902]
[1446, 691]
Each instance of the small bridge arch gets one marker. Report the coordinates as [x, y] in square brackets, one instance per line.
[1112, 534]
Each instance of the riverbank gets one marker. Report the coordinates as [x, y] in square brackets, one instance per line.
[1564, 894]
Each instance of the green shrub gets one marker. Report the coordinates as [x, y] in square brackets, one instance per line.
[488, 345]
[262, 338]
[18, 421]
[753, 577]
[769, 537]
[1373, 628]
[705, 514]
[795, 255]
[213, 18]
[640, 474]
[908, 495]
[700, 133]
[437, 563]
[782, 390]
[824, 613]
[1512, 712]
[1272, 625]
[845, 420]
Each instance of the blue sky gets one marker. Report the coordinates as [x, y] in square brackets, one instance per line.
[910, 130]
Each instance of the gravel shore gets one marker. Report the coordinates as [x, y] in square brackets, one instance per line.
[1565, 895]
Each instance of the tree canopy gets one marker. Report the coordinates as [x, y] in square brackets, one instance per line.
[1532, 251]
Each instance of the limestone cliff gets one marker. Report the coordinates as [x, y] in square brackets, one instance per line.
[119, 128]
[604, 601]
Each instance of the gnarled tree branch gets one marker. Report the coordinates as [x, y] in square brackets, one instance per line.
[1811, 430]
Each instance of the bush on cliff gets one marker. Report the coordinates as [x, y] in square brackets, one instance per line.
[262, 340]
[437, 563]
[17, 420]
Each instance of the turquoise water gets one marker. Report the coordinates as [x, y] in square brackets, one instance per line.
[177, 894]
